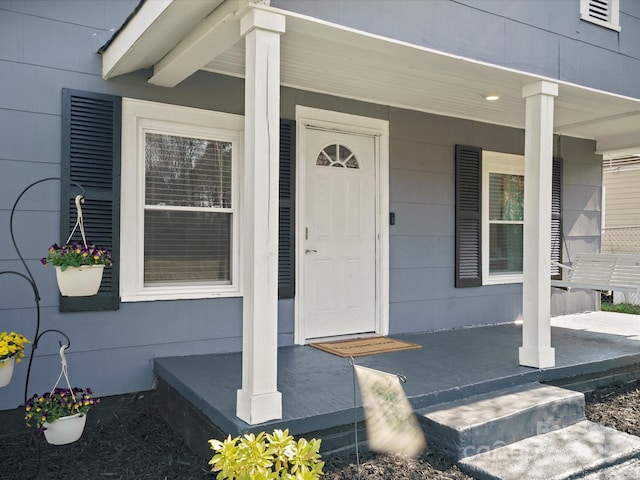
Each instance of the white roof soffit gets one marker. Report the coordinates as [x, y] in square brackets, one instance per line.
[327, 58]
[155, 29]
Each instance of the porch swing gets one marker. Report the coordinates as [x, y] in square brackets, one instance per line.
[604, 272]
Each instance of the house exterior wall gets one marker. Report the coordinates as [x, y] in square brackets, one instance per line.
[621, 210]
[622, 198]
[45, 47]
[541, 37]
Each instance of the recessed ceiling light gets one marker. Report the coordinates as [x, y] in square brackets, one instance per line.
[492, 97]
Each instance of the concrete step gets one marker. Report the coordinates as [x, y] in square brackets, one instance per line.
[489, 421]
[577, 451]
[626, 471]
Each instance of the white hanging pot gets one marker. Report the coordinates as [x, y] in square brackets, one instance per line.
[6, 370]
[65, 429]
[79, 281]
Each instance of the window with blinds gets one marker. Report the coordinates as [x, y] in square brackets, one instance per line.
[506, 223]
[490, 217]
[502, 217]
[188, 210]
[180, 208]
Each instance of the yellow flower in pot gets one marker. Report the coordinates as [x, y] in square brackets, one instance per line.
[11, 352]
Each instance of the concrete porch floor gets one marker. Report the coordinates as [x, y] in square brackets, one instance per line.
[318, 388]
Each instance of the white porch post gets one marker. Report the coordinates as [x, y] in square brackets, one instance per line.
[259, 399]
[536, 348]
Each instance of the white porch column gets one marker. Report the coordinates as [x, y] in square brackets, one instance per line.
[259, 399]
[536, 348]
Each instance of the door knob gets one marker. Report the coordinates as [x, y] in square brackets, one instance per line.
[310, 251]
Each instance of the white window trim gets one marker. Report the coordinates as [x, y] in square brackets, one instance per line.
[496, 162]
[614, 9]
[139, 116]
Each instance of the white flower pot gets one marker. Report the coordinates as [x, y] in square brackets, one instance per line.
[65, 429]
[79, 281]
[6, 370]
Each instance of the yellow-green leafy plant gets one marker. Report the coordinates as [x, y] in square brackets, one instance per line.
[265, 456]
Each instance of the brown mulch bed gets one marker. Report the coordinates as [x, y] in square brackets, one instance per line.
[129, 440]
[617, 406]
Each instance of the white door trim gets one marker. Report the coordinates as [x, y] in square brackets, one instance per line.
[379, 129]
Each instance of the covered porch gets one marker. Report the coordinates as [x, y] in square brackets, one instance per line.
[197, 394]
[271, 48]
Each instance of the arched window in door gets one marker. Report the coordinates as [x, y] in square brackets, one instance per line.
[336, 155]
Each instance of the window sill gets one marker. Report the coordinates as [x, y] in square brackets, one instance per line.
[157, 294]
[502, 279]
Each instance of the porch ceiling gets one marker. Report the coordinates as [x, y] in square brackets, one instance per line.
[327, 58]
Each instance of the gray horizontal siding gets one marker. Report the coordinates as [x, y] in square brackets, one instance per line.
[622, 198]
[104, 14]
[422, 293]
[543, 37]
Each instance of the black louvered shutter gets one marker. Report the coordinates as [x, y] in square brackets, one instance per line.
[468, 216]
[91, 125]
[556, 218]
[286, 234]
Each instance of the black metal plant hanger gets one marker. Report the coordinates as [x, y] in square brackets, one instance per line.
[29, 278]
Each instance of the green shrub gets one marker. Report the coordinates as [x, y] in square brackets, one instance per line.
[266, 456]
[621, 308]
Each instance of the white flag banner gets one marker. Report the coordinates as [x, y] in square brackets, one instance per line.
[391, 424]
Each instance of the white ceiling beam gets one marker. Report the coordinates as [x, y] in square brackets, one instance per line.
[599, 120]
[214, 35]
[633, 151]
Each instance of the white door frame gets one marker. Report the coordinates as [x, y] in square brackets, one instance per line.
[379, 130]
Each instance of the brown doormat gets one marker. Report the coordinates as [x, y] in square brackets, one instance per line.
[360, 347]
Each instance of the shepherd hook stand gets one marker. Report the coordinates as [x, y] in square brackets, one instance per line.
[29, 277]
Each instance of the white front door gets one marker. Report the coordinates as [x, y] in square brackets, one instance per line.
[339, 238]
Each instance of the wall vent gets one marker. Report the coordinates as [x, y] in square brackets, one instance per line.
[600, 10]
[622, 164]
[605, 13]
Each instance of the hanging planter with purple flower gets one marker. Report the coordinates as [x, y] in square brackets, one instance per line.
[79, 266]
[62, 413]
